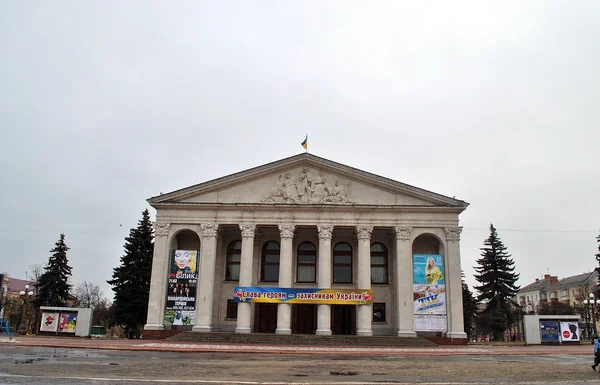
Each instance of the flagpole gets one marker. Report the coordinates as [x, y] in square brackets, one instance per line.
[306, 149]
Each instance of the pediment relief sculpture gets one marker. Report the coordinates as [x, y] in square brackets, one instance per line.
[306, 188]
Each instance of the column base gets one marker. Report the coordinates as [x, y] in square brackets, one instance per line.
[364, 333]
[243, 330]
[403, 333]
[323, 332]
[283, 331]
[456, 335]
[154, 327]
[202, 328]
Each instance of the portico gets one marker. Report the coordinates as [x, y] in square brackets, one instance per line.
[307, 223]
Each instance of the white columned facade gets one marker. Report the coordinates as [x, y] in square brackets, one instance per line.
[284, 310]
[206, 282]
[364, 313]
[158, 281]
[454, 284]
[246, 261]
[324, 278]
[404, 283]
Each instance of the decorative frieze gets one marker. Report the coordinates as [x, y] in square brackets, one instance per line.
[161, 229]
[287, 231]
[306, 188]
[248, 230]
[453, 233]
[209, 229]
[364, 232]
[403, 233]
[325, 231]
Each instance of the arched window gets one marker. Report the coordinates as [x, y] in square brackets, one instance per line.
[306, 260]
[269, 267]
[342, 263]
[379, 263]
[234, 256]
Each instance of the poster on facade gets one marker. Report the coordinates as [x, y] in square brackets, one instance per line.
[303, 296]
[180, 307]
[67, 323]
[431, 323]
[429, 289]
[569, 331]
[549, 331]
[49, 322]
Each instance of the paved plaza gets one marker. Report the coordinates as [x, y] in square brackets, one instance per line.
[50, 360]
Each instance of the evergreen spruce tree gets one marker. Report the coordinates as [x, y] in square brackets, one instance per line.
[498, 280]
[598, 260]
[53, 285]
[131, 280]
[469, 307]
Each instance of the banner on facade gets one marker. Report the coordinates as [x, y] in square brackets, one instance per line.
[569, 331]
[181, 291]
[67, 323]
[49, 322]
[303, 296]
[429, 289]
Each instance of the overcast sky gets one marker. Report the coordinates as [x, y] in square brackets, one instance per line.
[104, 104]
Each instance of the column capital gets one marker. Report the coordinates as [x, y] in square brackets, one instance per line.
[325, 231]
[248, 230]
[161, 229]
[364, 232]
[209, 229]
[403, 233]
[287, 230]
[453, 233]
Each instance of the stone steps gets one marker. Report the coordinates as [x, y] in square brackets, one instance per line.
[300, 339]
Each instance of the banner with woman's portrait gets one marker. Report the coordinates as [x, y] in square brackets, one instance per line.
[181, 291]
[429, 291]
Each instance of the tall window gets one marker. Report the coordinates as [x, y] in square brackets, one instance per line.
[234, 256]
[269, 269]
[306, 262]
[232, 308]
[379, 263]
[342, 263]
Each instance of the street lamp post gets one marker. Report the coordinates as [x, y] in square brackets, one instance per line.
[25, 295]
[591, 307]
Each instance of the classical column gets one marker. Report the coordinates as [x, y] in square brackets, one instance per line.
[454, 284]
[244, 308]
[284, 310]
[324, 278]
[404, 283]
[158, 280]
[364, 313]
[206, 281]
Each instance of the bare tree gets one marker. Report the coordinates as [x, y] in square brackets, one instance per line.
[88, 295]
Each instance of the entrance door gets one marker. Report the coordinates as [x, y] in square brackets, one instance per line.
[267, 318]
[343, 319]
[305, 319]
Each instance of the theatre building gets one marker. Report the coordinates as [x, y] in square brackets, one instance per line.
[305, 245]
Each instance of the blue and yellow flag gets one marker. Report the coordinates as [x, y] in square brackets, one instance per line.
[305, 142]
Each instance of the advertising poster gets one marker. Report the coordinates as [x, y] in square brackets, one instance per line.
[549, 331]
[431, 323]
[306, 296]
[49, 322]
[67, 323]
[429, 289]
[569, 331]
[181, 291]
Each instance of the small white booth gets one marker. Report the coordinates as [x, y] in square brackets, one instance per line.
[67, 321]
[551, 329]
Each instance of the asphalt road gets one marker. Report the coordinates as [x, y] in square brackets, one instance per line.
[42, 365]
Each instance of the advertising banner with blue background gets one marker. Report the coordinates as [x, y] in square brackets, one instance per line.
[429, 289]
[305, 296]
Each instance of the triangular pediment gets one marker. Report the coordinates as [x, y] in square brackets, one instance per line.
[306, 179]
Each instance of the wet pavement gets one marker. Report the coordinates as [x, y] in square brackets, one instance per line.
[61, 361]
